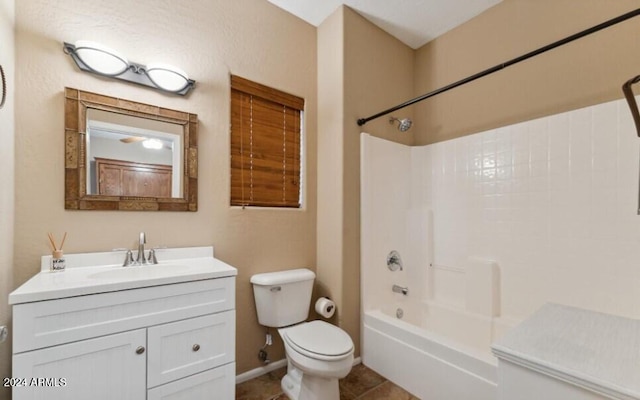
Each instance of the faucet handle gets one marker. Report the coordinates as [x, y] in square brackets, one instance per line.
[128, 259]
[152, 257]
[394, 262]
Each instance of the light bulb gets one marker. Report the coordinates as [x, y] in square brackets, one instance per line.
[167, 77]
[101, 59]
[154, 144]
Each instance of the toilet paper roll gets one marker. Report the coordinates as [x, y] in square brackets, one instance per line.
[325, 307]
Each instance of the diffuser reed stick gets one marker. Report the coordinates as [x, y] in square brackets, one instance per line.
[53, 242]
[63, 239]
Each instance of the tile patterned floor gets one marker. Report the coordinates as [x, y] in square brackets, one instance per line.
[361, 384]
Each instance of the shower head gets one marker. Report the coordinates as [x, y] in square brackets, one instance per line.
[404, 124]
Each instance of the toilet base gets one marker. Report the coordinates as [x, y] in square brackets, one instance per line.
[299, 386]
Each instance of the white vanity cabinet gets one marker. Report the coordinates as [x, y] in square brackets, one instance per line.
[169, 341]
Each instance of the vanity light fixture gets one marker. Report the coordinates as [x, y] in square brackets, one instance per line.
[101, 60]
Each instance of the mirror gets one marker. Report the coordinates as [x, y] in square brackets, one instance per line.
[132, 156]
[124, 155]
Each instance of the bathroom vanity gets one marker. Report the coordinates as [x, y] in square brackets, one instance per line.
[103, 331]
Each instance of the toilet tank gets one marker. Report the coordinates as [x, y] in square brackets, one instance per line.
[283, 298]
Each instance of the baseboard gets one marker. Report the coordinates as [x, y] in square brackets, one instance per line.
[256, 372]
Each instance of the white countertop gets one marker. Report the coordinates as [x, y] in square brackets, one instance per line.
[81, 278]
[597, 351]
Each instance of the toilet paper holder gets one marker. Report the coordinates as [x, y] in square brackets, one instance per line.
[325, 307]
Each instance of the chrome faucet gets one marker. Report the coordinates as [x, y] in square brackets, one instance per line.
[141, 259]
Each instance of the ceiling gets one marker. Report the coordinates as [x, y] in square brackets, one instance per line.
[414, 22]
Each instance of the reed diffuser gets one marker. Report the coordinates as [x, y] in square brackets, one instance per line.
[58, 263]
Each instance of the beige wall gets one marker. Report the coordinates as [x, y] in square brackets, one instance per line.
[361, 70]
[588, 71]
[7, 131]
[330, 160]
[210, 40]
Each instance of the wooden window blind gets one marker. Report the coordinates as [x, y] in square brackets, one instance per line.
[265, 145]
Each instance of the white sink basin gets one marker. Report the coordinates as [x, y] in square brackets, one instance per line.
[143, 272]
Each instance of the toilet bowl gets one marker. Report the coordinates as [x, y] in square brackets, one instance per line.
[318, 353]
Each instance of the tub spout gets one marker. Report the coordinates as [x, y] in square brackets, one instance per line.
[399, 289]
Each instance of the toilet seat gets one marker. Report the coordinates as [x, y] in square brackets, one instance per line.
[319, 340]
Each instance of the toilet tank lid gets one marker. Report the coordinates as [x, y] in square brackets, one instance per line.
[282, 277]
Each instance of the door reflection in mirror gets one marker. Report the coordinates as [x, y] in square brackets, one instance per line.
[132, 156]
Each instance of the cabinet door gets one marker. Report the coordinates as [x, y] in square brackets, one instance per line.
[214, 384]
[187, 347]
[106, 368]
[109, 180]
[146, 182]
[125, 178]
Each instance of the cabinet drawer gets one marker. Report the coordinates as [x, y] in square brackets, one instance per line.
[187, 347]
[47, 323]
[218, 383]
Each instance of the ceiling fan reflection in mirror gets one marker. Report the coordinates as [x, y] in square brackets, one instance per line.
[133, 139]
[148, 143]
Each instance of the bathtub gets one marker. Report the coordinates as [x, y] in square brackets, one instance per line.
[440, 347]
[429, 365]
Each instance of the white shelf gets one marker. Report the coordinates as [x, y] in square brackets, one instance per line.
[595, 351]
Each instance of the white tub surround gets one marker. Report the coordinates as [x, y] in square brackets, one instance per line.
[563, 352]
[482, 287]
[492, 226]
[111, 332]
[430, 348]
[551, 200]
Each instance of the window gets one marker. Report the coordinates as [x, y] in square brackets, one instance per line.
[265, 145]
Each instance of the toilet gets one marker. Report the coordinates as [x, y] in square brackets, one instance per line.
[318, 353]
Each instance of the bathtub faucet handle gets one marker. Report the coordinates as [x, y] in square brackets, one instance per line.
[394, 262]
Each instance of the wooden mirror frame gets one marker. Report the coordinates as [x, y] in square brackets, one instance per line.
[75, 177]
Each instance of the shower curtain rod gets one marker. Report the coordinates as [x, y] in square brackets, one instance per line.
[506, 64]
[631, 100]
